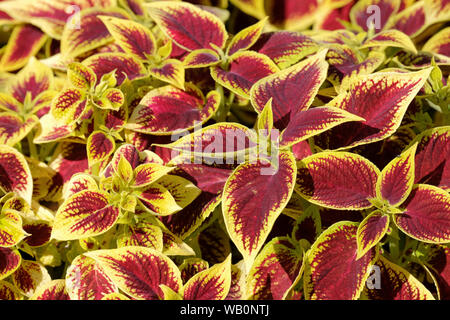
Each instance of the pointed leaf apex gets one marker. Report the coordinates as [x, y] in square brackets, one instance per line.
[354, 117]
[124, 169]
[370, 231]
[426, 71]
[360, 253]
[397, 178]
[322, 53]
[264, 20]
[265, 118]
[169, 293]
[227, 261]
[413, 148]
[104, 18]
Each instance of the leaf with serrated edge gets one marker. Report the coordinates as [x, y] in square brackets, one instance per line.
[50, 16]
[127, 151]
[397, 178]
[211, 284]
[371, 230]
[439, 43]
[245, 68]
[69, 106]
[85, 214]
[337, 180]
[10, 260]
[186, 221]
[332, 271]
[124, 170]
[192, 266]
[39, 232]
[285, 47]
[411, 20]
[112, 99]
[187, 25]
[125, 65]
[346, 65]
[361, 13]
[253, 198]
[81, 76]
[158, 200]
[426, 214]
[144, 234]
[170, 71]
[168, 109]
[139, 271]
[35, 78]
[390, 38]
[30, 277]
[53, 290]
[381, 99]
[92, 34]
[15, 173]
[85, 280]
[13, 128]
[16, 55]
[181, 189]
[216, 141]
[201, 58]
[274, 271]
[50, 130]
[148, 173]
[292, 90]
[132, 37]
[245, 38]
[314, 121]
[99, 146]
[432, 161]
[79, 182]
[11, 228]
[396, 284]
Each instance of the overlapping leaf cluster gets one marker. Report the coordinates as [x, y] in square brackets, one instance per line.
[210, 150]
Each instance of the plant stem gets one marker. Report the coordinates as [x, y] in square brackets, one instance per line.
[230, 99]
[221, 114]
[31, 146]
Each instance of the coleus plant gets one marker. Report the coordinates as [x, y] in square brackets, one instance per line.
[224, 150]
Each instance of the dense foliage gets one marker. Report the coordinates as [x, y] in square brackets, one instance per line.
[240, 149]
